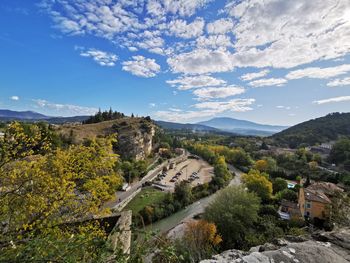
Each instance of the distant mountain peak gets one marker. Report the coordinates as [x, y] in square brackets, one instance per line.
[24, 115]
[242, 126]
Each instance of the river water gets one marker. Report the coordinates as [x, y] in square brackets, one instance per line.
[190, 211]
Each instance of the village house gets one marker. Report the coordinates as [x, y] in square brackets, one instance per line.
[313, 202]
[289, 210]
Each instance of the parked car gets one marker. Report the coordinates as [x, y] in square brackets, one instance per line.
[125, 187]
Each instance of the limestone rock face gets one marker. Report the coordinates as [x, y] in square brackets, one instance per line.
[325, 247]
[136, 143]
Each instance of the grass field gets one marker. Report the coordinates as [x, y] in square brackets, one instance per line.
[147, 196]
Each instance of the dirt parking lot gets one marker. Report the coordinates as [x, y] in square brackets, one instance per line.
[196, 171]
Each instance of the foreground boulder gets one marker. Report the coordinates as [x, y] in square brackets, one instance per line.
[325, 247]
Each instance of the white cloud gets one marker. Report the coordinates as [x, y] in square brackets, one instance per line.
[239, 105]
[339, 82]
[214, 42]
[283, 107]
[255, 75]
[217, 92]
[180, 7]
[201, 61]
[268, 82]
[319, 73]
[332, 100]
[180, 28]
[152, 105]
[221, 26]
[142, 67]
[65, 109]
[189, 82]
[14, 98]
[101, 57]
[286, 33]
[182, 116]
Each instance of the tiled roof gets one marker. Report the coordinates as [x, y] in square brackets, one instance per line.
[316, 196]
[325, 187]
[288, 203]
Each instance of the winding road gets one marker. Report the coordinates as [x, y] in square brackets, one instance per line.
[122, 195]
[173, 224]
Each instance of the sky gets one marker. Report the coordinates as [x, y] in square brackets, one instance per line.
[269, 61]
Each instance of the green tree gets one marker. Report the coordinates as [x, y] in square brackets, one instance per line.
[183, 193]
[340, 152]
[234, 211]
[279, 184]
[287, 194]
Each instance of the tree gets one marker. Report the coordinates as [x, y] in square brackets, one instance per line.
[21, 140]
[265, 165]
[257, 182]
[313, 165]
[221, 171]
[340, 152]
[200, 240]
[183, 193]
[287, 194]
[42, 192]
[261, 165]
[279, 184]
[233, 211]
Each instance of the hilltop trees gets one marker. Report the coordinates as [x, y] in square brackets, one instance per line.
[104, 116]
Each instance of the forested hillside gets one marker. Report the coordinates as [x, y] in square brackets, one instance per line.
[319, 130]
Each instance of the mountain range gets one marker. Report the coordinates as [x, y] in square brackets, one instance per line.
[315, 131]
[9, 115]
[242, 126]
[215, 125]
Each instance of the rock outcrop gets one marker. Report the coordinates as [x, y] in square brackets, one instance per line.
[136, 142]
[135, 135]
[323, 247]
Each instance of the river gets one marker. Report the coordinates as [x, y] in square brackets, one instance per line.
[190, 211]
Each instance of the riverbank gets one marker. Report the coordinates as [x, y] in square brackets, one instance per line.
[176, 221]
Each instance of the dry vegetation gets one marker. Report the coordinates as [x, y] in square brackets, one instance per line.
[89, 131]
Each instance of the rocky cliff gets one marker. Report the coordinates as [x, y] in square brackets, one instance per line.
[136, 143]
[325, 247]
[135, 135]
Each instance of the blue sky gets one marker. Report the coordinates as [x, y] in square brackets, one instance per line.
[274, 61]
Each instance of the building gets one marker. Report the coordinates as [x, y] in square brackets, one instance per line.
[327, 188]
[289, 210]
[314, 204]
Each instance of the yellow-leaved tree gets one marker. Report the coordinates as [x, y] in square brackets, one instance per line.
[43, 190]
[259, 183]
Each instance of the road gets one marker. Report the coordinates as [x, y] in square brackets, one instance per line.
[122, 195]
[174, 223]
